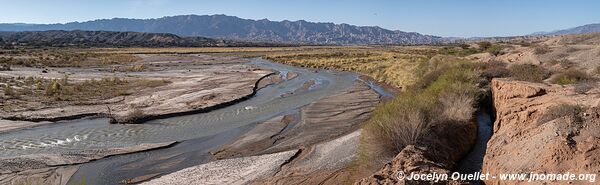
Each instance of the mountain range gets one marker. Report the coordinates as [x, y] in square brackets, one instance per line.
[588, 28]
[61, 38]
[235, 28]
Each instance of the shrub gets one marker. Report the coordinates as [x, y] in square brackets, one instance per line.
[583, 88]
[464, 46]
[52, 88]
[528, 72]
[446, 97]
[540, 50]
[564, 63]
[457, 106]
[570, 76]
[559, 111]
[495, 49]
[484, 45]
[493, 69]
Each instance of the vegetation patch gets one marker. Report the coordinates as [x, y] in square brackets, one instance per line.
[528, 72]
[494, 49]
[51, 92]
[62, 58]
[448, 99]
[540, 50]
[570, 76]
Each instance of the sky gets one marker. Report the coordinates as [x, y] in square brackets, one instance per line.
[449, 18]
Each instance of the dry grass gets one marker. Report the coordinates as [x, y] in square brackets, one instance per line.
[51, 92]
[63, 58]
[398, 66]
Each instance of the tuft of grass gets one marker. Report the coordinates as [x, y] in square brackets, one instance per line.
[528, 72]
[9, 91]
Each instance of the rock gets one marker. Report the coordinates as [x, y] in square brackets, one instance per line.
[524, 141]
[330, 117]
[4, 67]
[229, 171]
[256, 140]
[8, 125]
[319, 164]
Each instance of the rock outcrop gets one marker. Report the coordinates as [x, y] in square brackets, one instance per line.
[543, 129]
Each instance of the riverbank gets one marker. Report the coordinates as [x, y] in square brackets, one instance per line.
[193, 84]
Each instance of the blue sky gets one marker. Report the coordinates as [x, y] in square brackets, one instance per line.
[464, 18]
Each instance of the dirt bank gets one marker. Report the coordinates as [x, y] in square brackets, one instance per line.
[543, 129]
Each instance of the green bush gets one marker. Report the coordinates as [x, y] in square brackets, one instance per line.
[484, 45]
[528, 72]
[495, 49]
[570, 76]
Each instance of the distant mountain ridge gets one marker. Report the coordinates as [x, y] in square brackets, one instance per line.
[231, 27]
[588, 28]
[59, 38]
